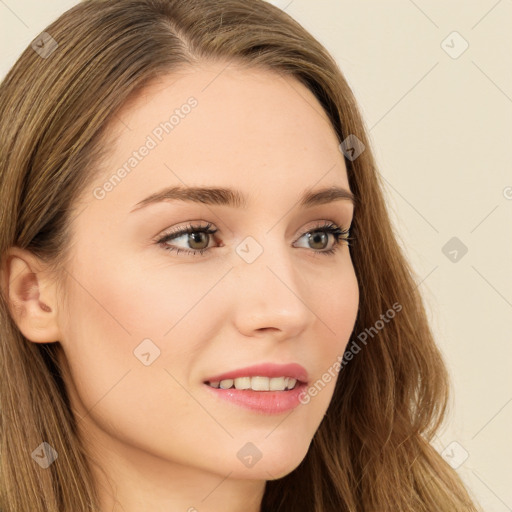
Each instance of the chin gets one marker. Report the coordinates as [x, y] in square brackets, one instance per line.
[275, 466]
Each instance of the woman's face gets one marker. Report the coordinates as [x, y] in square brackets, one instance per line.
[146, 326]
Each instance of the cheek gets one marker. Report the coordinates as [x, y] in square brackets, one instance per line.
[109, 384]
[134, 324]
[338, 309]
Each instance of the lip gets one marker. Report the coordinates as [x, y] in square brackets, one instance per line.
[294, 370]
[262, 402]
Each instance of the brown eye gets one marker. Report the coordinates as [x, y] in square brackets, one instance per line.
[198, 240]
[318, 238]
[196, 237]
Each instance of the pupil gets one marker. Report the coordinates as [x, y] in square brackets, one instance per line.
[315, 237]
[196, 237]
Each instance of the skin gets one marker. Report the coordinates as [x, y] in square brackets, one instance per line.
[163, 441]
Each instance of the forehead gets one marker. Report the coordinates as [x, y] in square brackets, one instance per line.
[220, 124]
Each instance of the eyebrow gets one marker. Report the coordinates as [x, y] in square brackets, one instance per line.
[235, 199]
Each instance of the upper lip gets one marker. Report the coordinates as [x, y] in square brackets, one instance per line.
[294, 370]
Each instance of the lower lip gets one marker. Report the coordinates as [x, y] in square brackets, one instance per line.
[267, 402]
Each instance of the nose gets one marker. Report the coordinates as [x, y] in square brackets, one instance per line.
[270, 295]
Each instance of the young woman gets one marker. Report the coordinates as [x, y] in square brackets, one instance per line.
[204, 306]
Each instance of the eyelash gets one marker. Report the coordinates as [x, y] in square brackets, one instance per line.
[340, 235]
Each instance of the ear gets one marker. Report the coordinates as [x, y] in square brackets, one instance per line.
[31, 296]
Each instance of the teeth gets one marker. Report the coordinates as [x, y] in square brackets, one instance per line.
[226, 384]
[291, 383]
[243, 382]
[256, 383]
[278, 383]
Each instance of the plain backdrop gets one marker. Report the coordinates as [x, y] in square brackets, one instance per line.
[434, 83]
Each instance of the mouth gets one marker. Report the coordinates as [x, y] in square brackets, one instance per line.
[264, 388]
[261, 377]
[257, 383]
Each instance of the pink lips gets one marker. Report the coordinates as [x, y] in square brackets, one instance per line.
[263, 402]
[294, 370]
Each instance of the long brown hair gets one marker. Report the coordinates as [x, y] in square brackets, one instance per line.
[372, 451]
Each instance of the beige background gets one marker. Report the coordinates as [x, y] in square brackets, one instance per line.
[440, 125]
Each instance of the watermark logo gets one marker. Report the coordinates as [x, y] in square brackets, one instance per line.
[44, 455]
[352, 147]
[455, 454]
[454, 249]
[146, 352]
[249, 249]
[249, 454]
[454, 45]
[44, 45]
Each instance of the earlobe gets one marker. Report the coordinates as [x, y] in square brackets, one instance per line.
[31, 296]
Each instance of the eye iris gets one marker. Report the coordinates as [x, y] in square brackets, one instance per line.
[196, 237]
[318, 236]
